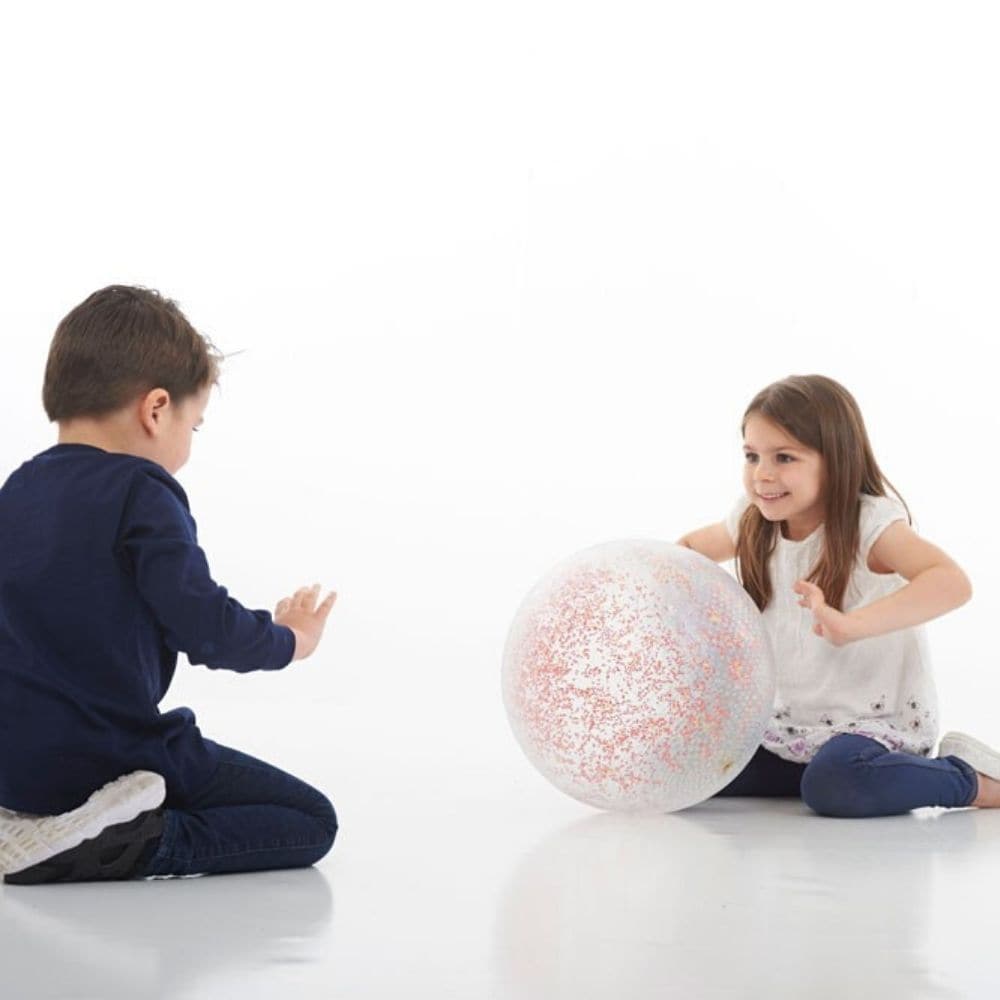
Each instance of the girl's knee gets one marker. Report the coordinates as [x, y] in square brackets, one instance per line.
[841, 781]
[837, 790]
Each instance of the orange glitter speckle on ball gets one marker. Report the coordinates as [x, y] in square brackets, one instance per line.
[637, 676]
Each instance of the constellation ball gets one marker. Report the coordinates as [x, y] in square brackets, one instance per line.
[637, 676]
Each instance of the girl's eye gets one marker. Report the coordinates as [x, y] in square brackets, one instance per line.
[784, 459]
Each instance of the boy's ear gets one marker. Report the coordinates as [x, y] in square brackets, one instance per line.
[152, 409]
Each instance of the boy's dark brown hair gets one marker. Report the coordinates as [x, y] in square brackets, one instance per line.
[822, 415]
[118, 344]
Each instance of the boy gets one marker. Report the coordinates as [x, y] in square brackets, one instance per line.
[102, 583]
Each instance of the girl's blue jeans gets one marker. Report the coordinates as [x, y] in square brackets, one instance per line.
[250, 816]
[854, 776]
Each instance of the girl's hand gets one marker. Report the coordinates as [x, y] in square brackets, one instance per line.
[830, 624]
[300, 613]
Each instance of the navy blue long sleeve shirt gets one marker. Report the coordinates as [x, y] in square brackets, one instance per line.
[102, 583]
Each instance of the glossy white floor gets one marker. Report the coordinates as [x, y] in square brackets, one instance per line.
[468, 879]
[495, 283]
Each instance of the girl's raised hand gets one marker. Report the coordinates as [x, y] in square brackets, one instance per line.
[828, 623]
[304, 617]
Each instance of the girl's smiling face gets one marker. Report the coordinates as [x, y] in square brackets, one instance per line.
[783, 477]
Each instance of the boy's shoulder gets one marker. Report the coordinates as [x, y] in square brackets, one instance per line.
[145, 477]
[144, 471]
[127, 472]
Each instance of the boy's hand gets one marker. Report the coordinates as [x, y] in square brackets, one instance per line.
[835, 626]
[300, 613]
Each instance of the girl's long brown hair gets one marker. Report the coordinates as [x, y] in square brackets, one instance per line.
[822, 415]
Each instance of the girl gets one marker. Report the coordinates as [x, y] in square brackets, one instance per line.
[854, 720]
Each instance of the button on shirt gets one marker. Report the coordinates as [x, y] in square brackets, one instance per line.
[102, 584]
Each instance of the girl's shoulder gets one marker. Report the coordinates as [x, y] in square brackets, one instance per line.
[876, 514]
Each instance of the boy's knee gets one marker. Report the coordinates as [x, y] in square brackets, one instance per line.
[327, 816]
[331, 822]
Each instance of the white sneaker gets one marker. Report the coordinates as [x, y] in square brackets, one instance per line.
[977, 755]
[26, 839]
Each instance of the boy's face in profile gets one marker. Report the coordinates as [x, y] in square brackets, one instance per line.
[154, 426]
[171, 426]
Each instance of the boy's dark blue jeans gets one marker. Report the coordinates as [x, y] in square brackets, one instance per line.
[250, 816]
[854, 776]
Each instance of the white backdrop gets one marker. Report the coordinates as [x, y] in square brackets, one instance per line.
[503, 278]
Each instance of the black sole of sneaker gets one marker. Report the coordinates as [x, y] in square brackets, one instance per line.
[118, 852]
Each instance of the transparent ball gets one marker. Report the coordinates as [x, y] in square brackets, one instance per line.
[637, 676]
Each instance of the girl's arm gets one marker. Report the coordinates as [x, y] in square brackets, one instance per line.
[936, 585]
[713, 541]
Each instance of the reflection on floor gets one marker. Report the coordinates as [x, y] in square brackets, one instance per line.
[451, 891]
[172, 938]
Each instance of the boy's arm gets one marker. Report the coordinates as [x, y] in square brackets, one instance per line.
[158, 542]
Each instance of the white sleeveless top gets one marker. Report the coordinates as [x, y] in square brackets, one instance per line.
[880, 687]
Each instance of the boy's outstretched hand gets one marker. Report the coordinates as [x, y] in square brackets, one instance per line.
[301, 614]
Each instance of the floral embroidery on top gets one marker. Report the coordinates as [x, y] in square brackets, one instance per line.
[800, 742]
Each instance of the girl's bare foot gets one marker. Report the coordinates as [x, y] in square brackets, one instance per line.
[983, 759]
[989, 793]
